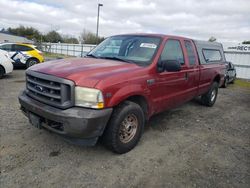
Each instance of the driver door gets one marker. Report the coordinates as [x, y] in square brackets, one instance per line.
[172, 88]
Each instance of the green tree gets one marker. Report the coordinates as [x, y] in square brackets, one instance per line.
[68, 39]
[3, 30]
[246, 42]
[53, 36]
[88, 37]
[212, 39]
[28, 32]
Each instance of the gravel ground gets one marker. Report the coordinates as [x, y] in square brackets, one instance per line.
[190, 146]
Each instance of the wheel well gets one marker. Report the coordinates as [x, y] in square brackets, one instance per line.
[2, 68]
[33, 58]
[142, 102]
[217, 79]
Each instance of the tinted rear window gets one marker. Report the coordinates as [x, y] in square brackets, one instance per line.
[18, 47]
[211, 55]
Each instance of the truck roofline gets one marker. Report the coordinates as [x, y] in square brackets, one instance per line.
[207, 43]
[153, 35]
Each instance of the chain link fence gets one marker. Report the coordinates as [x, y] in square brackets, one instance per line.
[78, 50]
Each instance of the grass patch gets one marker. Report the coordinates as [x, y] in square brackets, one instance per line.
[242, 83]
[48, 55]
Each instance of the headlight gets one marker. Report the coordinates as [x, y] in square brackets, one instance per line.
[89, 97]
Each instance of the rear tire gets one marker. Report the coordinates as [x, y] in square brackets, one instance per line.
[210, 97]
[125, 128]
[2, 72]
[30, 62]
[225, 83]
[233, 79]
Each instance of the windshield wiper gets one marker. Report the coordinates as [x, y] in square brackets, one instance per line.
[117, 58]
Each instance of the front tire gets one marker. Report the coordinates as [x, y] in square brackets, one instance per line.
[125, 128]
[233, 79]
[210, 97]
[30, 62]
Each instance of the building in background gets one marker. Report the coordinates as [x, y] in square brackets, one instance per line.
[5, 37]
[239, 55]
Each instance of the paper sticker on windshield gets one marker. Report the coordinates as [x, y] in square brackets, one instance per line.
[148, 45]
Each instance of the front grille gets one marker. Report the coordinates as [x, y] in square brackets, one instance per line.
[57, 92]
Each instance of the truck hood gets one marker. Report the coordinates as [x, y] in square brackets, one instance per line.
[85, 72]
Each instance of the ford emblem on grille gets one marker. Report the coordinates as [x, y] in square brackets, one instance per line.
[39, 88]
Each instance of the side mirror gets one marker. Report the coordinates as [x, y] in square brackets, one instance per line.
[169, 65]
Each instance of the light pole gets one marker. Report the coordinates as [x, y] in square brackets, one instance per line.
[97, 27]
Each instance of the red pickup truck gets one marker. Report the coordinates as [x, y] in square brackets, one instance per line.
[112, 92]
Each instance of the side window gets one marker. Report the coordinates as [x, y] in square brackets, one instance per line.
[112, 48]
[14, 48]
[173, 51]
[6, 47]
[22, 48]
[232, 66]
[190, 52]
[211, 55]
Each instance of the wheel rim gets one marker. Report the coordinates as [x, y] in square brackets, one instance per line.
[32, 62]
[213, 95]
[128, 128]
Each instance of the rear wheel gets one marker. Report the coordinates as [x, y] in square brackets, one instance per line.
[225, 83]
[210, 97]
[31, 62]
[2, 72]
[125, 128]
[233, 79]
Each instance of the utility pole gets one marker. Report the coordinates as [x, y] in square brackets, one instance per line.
[98, 14]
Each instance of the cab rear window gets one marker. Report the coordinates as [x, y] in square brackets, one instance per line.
[212, 55]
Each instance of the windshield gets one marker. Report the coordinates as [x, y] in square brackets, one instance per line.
[128, 48]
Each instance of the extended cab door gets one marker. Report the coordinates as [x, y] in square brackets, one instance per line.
[212, 63]
[173, 88]
[192, 70]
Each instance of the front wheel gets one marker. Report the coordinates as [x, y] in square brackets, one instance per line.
[233, 79]
[125, 128]
[31, 62]
[210, 97]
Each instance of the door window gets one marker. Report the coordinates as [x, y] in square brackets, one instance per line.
[6, 47]
[190, 52]
[173, 51]
[231, 66]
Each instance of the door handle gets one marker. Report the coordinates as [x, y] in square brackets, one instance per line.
[150, 81]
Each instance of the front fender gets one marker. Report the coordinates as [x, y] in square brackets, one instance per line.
[126, 92]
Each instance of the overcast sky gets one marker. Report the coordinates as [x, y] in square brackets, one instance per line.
[226, 20]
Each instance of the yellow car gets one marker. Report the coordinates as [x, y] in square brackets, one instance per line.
[31, 55]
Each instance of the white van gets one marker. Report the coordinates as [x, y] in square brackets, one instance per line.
[6, 65]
